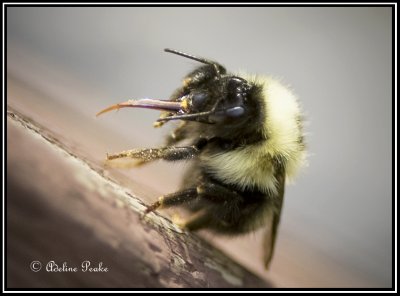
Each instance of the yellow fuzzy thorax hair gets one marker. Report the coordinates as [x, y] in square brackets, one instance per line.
[251, 166]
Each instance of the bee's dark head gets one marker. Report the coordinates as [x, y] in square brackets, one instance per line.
[225, 102]
[209, 96]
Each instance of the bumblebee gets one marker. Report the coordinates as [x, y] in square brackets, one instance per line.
[244, 135]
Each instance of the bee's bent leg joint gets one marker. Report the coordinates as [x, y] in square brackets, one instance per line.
[173, 199]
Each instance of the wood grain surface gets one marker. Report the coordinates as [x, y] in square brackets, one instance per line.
[66, 210]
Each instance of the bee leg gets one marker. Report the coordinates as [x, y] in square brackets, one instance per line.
[210, 191]
[198, 220]
[173, 199]
[134, 163]
[218, 193]
[225, 208]
[166, 153]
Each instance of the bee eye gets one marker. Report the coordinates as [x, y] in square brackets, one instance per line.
[198, 100]
[235, 111]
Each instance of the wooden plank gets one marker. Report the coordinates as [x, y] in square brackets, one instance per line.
[66, 209]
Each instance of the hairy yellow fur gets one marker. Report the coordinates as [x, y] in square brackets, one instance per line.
[251, 166]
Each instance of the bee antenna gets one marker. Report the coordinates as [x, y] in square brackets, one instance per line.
[218, 67]
[189, 56]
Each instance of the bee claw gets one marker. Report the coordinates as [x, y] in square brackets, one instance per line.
[153, 207]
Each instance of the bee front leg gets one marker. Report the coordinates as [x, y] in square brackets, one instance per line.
[149, 154]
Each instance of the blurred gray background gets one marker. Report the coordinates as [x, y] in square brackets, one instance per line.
[336, 228]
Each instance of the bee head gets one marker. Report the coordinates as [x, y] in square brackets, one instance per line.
[209, 96]
[224, 100]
